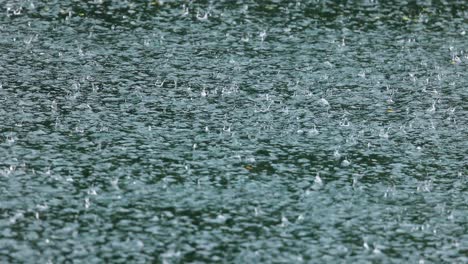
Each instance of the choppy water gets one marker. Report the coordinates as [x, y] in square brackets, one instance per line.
[234, 131]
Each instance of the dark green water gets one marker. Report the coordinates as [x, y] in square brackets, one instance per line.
[266, 131]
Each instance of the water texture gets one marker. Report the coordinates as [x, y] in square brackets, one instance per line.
[233, 131]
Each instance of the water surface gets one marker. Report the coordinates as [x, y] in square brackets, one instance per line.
[233, 131]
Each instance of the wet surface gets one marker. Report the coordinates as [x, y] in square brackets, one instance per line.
[248, 131]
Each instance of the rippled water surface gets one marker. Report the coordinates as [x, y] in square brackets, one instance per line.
[234, 131]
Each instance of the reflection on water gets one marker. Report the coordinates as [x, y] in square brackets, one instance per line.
[251, 131]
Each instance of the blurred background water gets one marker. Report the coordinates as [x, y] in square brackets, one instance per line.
[233, 131]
